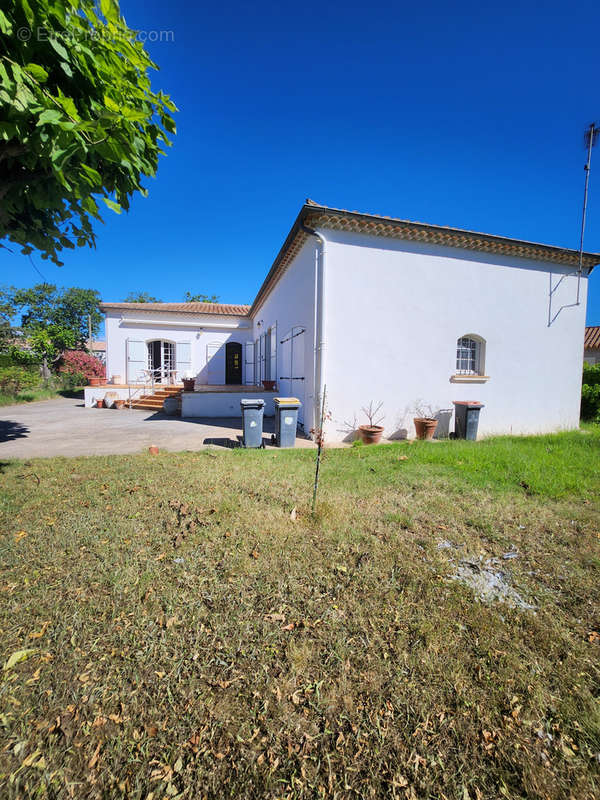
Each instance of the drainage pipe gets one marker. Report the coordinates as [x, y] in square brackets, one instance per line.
[318, 322]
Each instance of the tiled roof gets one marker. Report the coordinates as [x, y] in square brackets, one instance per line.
[592, 338]
[313, 215]
[225, 309]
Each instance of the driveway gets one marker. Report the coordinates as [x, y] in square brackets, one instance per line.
[63, 427]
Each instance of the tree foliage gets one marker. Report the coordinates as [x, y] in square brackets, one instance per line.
[79, 120]
[200, 298]
[141, 297]
[54, 320]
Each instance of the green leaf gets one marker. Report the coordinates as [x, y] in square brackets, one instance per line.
[112, 205]
[93, 174]
[38, 72]
[59, 49]
[50, 116]
[110, 9]
[111, 105]
[17, 657]
[6, 81]
[28, 12]
[5, 24]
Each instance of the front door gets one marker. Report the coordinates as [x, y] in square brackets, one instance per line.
[233, 363]
[161, 360]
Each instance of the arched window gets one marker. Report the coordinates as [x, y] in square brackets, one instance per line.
[470, 355]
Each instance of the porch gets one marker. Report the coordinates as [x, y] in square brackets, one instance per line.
[210, 401]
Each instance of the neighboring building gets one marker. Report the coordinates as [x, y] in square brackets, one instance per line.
[380, 309]
[591, 345]
[98, 349]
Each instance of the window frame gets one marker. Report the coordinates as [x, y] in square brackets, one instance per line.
[469, 359]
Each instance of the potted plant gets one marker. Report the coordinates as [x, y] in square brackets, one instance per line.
[189, 382]
[425, 422]
[372, 433]
[269, 385]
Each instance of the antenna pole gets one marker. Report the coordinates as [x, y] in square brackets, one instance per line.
[590, 135]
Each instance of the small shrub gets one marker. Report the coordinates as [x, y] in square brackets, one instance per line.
[78, 362]
[72, 380]
[590, 392]
[15, 379]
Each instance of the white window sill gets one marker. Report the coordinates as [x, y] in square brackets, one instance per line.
[469, 378]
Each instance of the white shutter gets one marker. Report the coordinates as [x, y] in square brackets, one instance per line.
[183, 358]
[249, 363]
[137, 360]
[273, 365]
[263, 357]
[212, 365]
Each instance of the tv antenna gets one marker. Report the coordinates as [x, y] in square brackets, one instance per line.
[590, 138]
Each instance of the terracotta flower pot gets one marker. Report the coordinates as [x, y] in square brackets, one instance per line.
[370, 434]
[269, 385]
[119, 403]
[96, 381]
[189, 384]
[425, 427]
[99, 403]
[153, 450]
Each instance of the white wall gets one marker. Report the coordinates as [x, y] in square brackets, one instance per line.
[291, 305]
[200, 335]
[221, 404]
[394, 310]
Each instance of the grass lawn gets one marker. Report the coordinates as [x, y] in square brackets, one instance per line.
[183, 635]
[33, 395]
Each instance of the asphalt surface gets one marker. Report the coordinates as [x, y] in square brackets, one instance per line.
[63, 427]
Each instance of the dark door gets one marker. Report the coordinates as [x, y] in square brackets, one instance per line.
[233, 363]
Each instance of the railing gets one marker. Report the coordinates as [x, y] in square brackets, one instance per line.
[149, 375]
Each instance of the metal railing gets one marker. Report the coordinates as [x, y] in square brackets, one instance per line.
[149, 378]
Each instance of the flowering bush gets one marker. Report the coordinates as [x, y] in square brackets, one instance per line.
[82, 363]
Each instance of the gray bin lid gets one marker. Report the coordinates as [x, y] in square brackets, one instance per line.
[245, 403]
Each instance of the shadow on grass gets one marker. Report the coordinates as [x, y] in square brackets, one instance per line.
[223, 441]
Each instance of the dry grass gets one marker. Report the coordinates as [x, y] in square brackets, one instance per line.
[191, 640]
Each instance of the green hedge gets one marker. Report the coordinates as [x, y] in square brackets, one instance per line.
[13, 357]
[14, 379]
[590, 392]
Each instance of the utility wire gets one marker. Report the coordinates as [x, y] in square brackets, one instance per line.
[37, 270]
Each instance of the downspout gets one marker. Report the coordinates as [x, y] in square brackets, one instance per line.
[318, 322]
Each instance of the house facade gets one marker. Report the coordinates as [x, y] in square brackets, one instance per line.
[373, 308]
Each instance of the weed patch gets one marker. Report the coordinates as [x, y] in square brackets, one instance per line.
[187, 635]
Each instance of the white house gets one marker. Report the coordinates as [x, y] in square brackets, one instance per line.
[382, 309]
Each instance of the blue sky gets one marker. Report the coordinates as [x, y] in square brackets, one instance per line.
[458, 114]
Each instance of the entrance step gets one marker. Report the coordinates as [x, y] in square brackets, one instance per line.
[154, 402]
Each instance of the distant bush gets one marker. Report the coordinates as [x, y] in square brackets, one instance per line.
[14, 379]
[590, 392]
[78, 362]
[15, 357]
